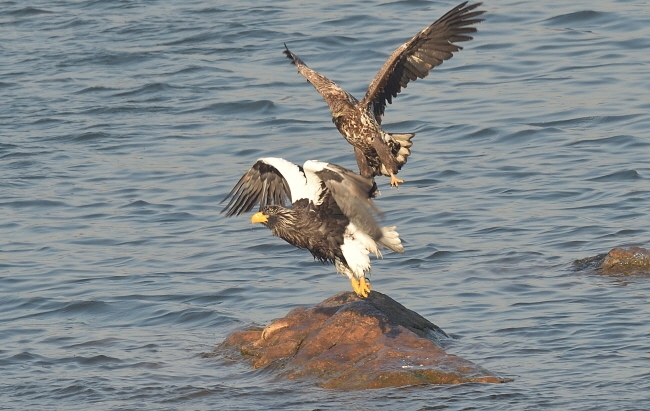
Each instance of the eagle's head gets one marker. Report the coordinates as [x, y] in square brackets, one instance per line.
[340, 110]
[273, 216]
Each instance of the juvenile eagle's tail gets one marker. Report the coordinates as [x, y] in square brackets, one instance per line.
[400, 144]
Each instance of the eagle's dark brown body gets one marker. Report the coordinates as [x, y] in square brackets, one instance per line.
[315, 229]
[377, 152]
[332, 214]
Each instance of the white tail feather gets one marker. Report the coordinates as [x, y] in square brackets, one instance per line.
[357, 247]
[390, 239]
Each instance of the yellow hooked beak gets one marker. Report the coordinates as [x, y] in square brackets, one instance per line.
[259, 218]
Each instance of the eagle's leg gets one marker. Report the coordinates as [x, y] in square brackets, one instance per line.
[361, 287]
[394, 181]
[387, 159]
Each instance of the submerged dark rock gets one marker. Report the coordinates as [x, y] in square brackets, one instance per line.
[346, 342]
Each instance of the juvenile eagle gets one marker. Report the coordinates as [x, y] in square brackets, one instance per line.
[332, 214]
[377, 151]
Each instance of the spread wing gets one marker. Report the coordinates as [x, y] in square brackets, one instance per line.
[415, 58]
[269, 182]
[326, 87]
[351, 192]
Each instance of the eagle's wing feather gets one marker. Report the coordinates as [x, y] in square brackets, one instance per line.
[351, 192]
[326, 87]
[415, 58]
[269, 182]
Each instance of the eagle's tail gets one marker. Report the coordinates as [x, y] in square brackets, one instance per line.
[390, 239]
[401, 147]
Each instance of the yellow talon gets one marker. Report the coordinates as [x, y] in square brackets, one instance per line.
[394, 181]
[361, 287]
[355, 285]
[364, 287]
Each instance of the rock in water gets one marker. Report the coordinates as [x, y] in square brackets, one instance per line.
[346, 342]
[634, 260]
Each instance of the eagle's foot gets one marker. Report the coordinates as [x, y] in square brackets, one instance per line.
[394, 181]
[361, 287]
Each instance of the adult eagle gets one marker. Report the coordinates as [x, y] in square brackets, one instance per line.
[332, 214]
[377, 151]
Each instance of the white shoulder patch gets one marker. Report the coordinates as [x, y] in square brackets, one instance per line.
[314, 165]
[311, 167]
[295, 178]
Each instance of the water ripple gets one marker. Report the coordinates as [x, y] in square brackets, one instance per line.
[125, 123]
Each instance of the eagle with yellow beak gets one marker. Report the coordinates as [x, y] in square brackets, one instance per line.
[332, 214]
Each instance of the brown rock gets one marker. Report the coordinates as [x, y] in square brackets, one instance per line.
[634, 260]
[346, 342]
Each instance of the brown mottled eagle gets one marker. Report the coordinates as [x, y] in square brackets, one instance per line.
[332, 214]
[377, 151]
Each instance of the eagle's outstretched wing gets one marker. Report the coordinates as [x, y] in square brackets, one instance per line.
[326, 87]
[415, 58]
[269, 182]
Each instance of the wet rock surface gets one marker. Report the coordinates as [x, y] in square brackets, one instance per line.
[619, 261]
[346, 342]
[631, 261]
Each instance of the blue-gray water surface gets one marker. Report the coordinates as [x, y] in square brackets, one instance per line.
[123, 124]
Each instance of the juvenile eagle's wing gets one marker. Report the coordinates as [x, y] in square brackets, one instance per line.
[269, 182]
[326, 87]
[415, 58]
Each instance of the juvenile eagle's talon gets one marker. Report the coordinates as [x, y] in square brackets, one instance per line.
[394, 181]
